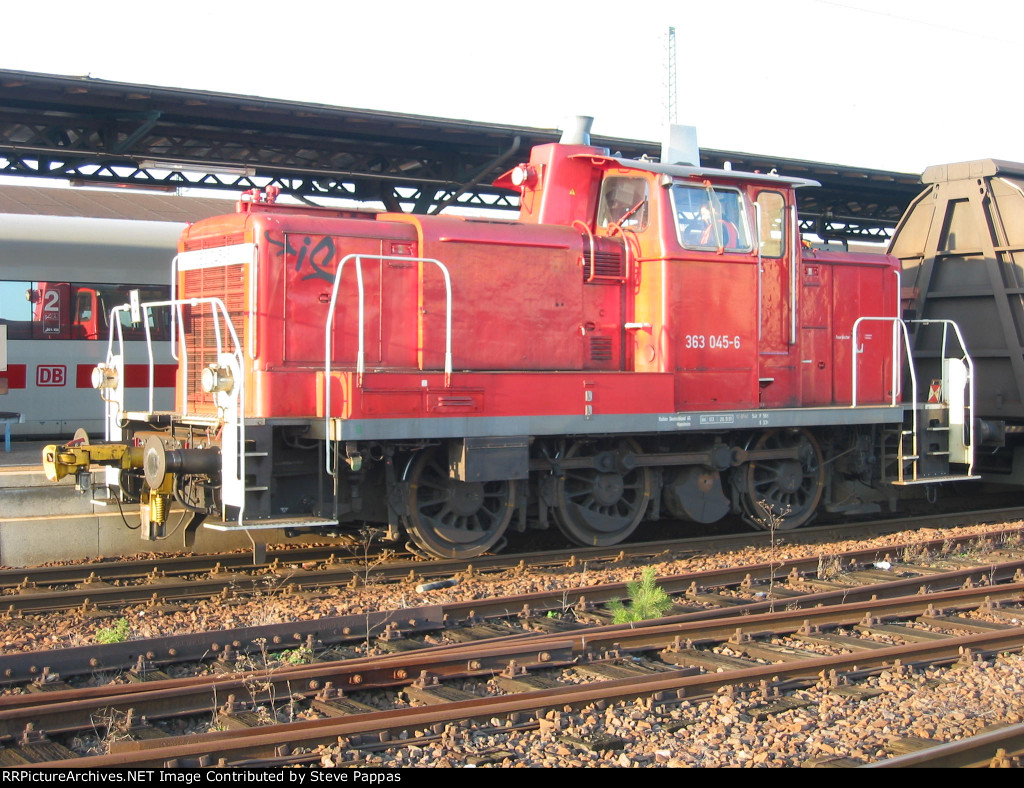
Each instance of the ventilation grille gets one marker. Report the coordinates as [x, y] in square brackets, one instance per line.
[609, 264]
[213, 241]
[600, 349]
[228, 284]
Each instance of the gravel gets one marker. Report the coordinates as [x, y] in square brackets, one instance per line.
[730, 729]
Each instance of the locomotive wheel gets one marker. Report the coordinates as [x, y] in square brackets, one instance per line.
[603, 505]
[452, 519]
[784, 491]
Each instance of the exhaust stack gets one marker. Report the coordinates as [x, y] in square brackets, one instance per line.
[577, 131]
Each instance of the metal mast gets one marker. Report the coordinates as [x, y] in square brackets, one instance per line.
[671, 65]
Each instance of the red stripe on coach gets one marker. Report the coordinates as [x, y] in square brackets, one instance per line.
[15, 376]
[136, 376]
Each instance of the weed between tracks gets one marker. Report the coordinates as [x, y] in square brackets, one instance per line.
[647, 600]
[263, 704]
[115, 634]
[914, 552]
[772, 518]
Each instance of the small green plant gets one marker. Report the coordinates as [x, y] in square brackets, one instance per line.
[302, 655]
[115, 634]
[647, 600]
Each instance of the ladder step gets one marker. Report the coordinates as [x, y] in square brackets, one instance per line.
[937, 453]
[936, 479]
[257, 489]
[280, 522]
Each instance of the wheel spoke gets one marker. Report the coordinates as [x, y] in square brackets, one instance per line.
[454, 519]
[601, 508]
[784, 493]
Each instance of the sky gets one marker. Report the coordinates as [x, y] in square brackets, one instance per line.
[888, 84]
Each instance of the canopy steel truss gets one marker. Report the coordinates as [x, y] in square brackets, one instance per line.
[97, 132]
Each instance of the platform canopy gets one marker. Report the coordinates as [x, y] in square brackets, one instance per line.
[96, 132]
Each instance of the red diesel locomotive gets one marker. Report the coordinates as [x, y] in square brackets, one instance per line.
[647, 340]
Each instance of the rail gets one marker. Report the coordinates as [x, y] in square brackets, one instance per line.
[360, 351]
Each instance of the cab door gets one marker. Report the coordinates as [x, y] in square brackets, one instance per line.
[777, 338]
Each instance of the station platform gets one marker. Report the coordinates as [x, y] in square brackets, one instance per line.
[24, 454]
[44, 521]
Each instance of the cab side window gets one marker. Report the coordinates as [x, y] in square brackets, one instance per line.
[772, 212]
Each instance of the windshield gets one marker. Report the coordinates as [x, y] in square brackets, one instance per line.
[710, 218]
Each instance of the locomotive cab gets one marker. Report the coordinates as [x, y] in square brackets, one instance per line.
[709, 265]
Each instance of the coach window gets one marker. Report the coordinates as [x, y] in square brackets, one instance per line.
[16, 308]
[624, 202]
[772, 213]
[159, 318]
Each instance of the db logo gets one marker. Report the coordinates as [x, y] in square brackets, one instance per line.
[51, 375]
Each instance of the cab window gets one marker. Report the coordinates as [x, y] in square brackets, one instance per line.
[772, 210]
[710, 218]
[624, 202]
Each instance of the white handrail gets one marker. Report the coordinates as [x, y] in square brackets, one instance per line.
[149, 351]
[760, 264]
[360, 354]
[174, 304]
[794, 275]
[175, 313]
[219, 312]
[969, 362]
[897, 365]
[897, 360]
[857, 350]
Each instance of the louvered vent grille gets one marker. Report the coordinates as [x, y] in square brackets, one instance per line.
[214, 241]
[600, 349]
[228, 284]
[609, 264]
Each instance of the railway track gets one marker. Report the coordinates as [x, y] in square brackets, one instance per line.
[873, 624]
[163, 581]
[749, 587]
[1003, 748]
